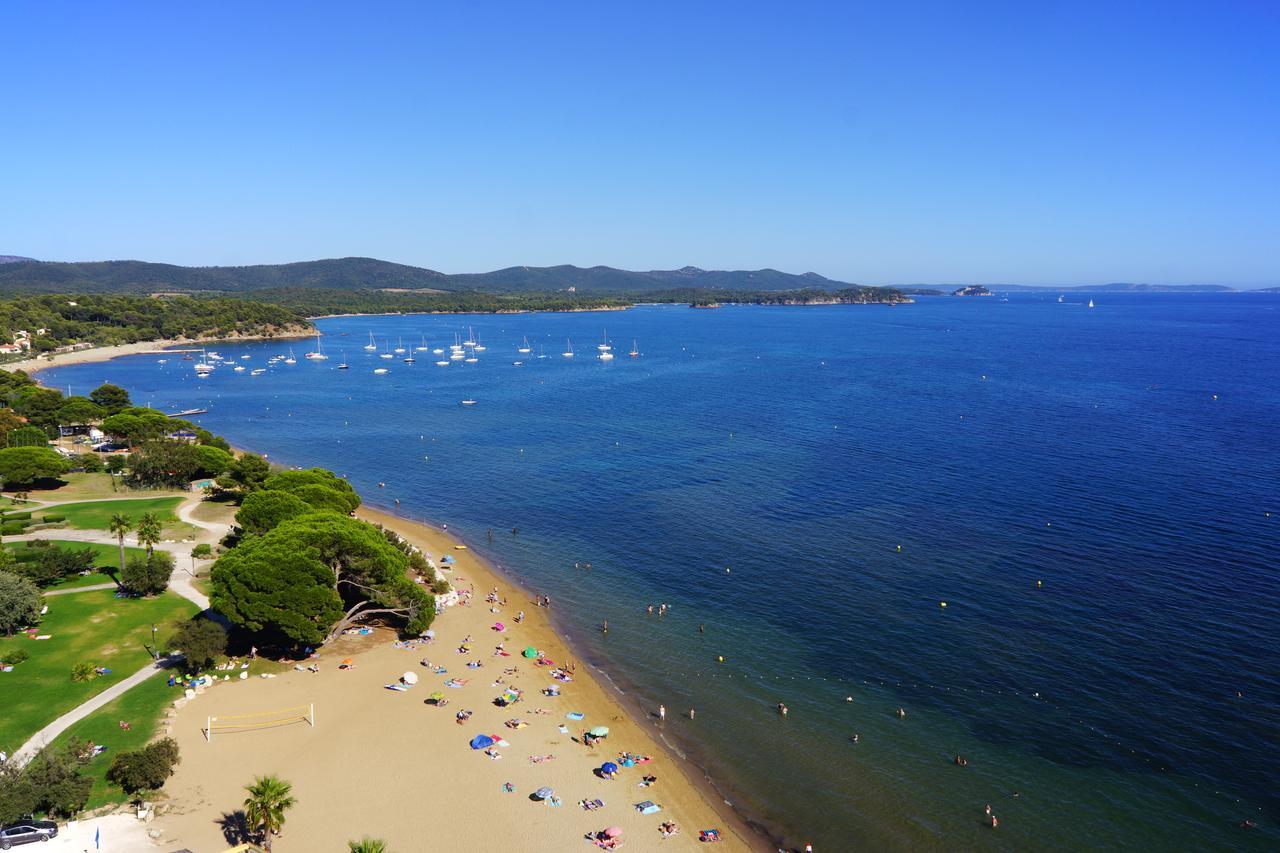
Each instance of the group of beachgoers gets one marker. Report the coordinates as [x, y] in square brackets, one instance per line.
[560, 674]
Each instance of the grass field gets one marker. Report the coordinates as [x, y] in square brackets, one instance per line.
[88, 627]
[85, 487]
[142, 707]
[96, 515]
[106, 556]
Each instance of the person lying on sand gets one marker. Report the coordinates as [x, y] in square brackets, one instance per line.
[668, 829]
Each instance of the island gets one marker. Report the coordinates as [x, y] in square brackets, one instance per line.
[972, 290]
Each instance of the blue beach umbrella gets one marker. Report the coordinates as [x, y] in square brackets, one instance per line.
[482, 742]
[608, 767]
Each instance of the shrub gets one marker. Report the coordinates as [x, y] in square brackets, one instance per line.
[200, 640]
[51, 782]
[19, 603]
[84, 672]
[440, 586]
[16, 656]
[144, 769]
[52, 518]
[12, 528]
[201, 551]
[147, 574]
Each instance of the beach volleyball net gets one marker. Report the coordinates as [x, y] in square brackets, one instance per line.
[233, 723]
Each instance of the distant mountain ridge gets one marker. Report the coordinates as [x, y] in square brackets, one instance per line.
[28, 276]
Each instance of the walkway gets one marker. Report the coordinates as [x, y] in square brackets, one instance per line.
[181, 582]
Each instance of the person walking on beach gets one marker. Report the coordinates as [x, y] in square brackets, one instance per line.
[691, 713]
[662, 713]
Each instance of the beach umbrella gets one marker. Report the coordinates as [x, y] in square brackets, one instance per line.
[543, 793]
[599, 731]
[613, 832]
[608, 767]
[481, 742]
[409, 678]
[348, 662]
[437, 696]
[429, 634]
[530, 652]
[498, 626]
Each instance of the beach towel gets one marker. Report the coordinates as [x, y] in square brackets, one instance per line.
[648, 807]
[592, 805]
[396, 686]
[574, 716]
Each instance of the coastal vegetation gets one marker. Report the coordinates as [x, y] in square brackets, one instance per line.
[50, 322]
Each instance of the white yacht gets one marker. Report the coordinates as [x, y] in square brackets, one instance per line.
[378, 371]
[424, 347]
[290, 359]
[524, 348]
[603, 346]
[318, 353]
[568, 353]
[468, 402]
[399, 350]
[371, 346]
[442, 364]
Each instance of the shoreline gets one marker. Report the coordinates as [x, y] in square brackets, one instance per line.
[35, 364]
[733, 824]
[376, 736]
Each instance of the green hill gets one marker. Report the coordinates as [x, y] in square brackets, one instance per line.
[24, 277]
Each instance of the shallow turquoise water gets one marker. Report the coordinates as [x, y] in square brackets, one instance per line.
[999, 443]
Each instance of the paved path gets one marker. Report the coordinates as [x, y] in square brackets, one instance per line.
[91, 588]
[180, 582]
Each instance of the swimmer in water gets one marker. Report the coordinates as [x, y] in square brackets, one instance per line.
[782, 709]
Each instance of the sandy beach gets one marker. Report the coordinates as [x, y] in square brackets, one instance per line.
[390, 765]
[95, 354]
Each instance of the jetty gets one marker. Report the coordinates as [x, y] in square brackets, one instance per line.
[185, 412]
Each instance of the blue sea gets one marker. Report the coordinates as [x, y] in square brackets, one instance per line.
[1094, 493]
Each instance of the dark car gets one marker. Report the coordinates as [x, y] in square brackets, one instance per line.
[27, 831]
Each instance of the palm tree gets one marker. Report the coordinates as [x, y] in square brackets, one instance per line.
[368, 845]
[264, 808]
[148, 531]
[119, 525]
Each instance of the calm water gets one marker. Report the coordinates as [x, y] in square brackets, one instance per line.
[1000, 444]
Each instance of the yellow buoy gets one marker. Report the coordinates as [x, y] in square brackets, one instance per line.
[899, 549]
[1039, 583]
[943, 603]
[720, 659]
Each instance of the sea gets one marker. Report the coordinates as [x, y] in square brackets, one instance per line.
[1048, 533]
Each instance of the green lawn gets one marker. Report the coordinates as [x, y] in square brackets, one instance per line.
[85, 486]
[96, 515]
[89, 627]
[142, 707]
[106, 557]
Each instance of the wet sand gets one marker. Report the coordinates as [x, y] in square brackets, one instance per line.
[387, 764]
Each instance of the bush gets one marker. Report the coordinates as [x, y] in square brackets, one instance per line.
[201, 641]
[16, 656]
[201, 551]
[144, 769]
[51, 518]
[12, 528]
[84, 672]
[90, 462]
[147, 574]
[19, 603]
[440, 586]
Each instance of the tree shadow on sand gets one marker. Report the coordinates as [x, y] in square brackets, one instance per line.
[235, 829]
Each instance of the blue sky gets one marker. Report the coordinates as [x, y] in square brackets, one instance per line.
[1023, 142]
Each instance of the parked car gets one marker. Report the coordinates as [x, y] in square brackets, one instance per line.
[26, 832]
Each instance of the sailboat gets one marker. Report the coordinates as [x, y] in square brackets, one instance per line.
[569, 352]
[635, 350]
[524, 347]
[400, 347]
[290, 359]
[385, 355]
[1061, 297]
[471, 338]
[479, 347]
[424, 347]
[318, 353]
[1090, 303]
[342, 365]
[603, 346]
[371, 346]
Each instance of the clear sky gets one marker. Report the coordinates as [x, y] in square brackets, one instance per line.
[876, 142]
